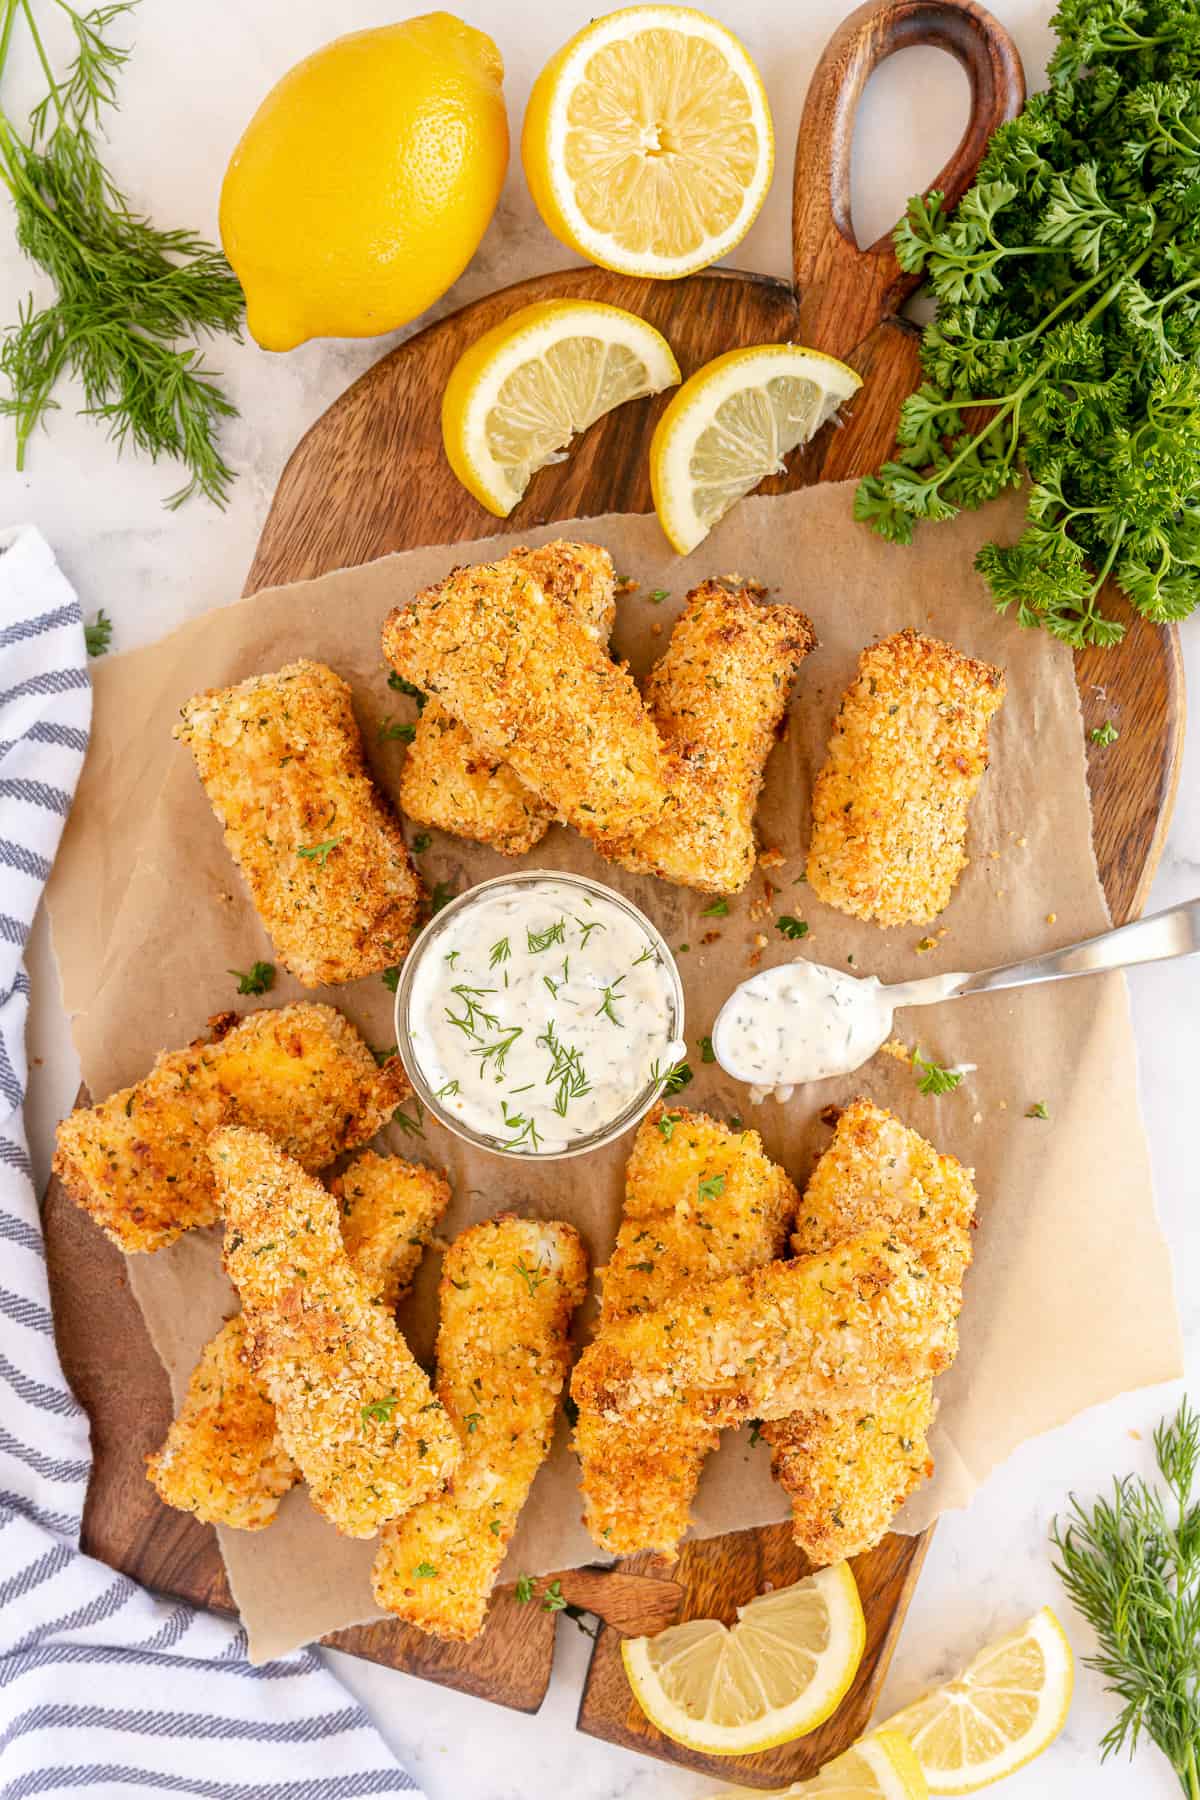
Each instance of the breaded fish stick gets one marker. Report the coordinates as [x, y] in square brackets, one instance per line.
[848, 1472]
[701, 1202]
[821, 1331]
[446, 782]
[138, 1162]
[907, 753]
[355, 1412]
[282, 763]
[223, 1458]
[509, 1289]
[718, 696]
[535, 690]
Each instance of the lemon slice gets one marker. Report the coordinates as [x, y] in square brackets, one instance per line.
[647, 143]
[879, 1767]
[774, 1675]
[516, 398]
[732, 424]
[1003, 1710]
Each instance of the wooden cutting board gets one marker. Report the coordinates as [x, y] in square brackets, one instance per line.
[370, 478]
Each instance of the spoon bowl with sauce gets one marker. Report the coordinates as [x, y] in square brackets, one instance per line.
[803, 1022]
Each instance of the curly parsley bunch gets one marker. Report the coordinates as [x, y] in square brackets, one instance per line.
[1068, 322]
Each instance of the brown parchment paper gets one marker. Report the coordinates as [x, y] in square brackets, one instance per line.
[1070, 1299]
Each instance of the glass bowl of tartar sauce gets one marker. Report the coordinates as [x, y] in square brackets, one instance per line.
[539, 1015]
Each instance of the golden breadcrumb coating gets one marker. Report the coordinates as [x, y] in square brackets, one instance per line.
[701, 1201]
[535, 690]
[282, 763]
[223, 1459]
[446, 782]
[355, 1411]
[389, 1210]
[848, 1472]
[138, 1162]
[908, 750]
[820, 1331]
[509, 1289]
[718, 696]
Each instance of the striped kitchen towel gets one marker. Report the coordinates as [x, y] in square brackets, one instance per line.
[103, 1687]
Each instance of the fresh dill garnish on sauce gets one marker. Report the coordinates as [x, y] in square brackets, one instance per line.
[536, 941]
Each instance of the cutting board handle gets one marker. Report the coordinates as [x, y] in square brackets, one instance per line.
[844, 290]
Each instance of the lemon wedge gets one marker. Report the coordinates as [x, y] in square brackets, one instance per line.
[516, 398]
[774, 1675]
[1003, 1710]
[648, 143]
[731, 425]
[879, 1767]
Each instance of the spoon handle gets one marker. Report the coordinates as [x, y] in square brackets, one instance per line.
[1175, 932]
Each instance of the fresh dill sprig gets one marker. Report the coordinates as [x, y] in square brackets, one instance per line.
[607, 1005]
[566, 1073]
[495, 1053]
[674, 1079]
[129, 299]
[544, 940]
[474, 1014]
[1134, 1574]
[500, 952]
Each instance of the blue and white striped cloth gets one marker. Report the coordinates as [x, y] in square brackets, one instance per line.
[103, 1687]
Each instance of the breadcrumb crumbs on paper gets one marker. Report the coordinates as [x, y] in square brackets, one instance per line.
[769, 857]
[897, 1049]
[1051, 918]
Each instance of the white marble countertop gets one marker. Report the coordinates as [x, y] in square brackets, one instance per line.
[195, 77]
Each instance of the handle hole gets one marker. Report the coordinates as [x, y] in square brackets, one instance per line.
[913, 111]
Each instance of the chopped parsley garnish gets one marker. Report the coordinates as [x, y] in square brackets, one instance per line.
[756, 1426]
[441, 896]
[707, 1053]
[494, 1527]
[425, 1571]
[421, 843]
[398, 685]
[710, 1187]
[395, 728]
[553, 1600]
[658, 595]
[666, 1126]
[718, 910]
[1105, 734]
[1039, 1110]
[933, 1078]
[380, 1410]
[471, 1421]
[524, 1589]
[98, 635]
[318, 852]
[391, 979]
[384, 1056]
[789, 927]
[257, 979]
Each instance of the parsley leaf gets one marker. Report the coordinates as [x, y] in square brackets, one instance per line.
[707, 1053]
[718, 910]
[318, 852]
[398, 685]
[256, 979]
[1066, 344]
[934, 1079]
[392, 728]
[710, 1187]
[1105, 734]
[425, 1571]
[789, 927]
[98, 635]
[524, 1589]
[380, 1410]
[1039, 1110]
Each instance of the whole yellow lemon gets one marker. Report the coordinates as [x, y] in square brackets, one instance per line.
[364, 182]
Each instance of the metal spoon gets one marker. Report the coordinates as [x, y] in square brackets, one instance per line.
[837, 1021]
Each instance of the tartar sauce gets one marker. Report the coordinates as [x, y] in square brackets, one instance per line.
[538, 1013]
[803, 1021]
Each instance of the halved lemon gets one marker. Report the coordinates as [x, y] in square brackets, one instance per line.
[516, 398]
[648, 143]
[879, 1767]
[774, 1675]
[1003, 1710]
[732, 424]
